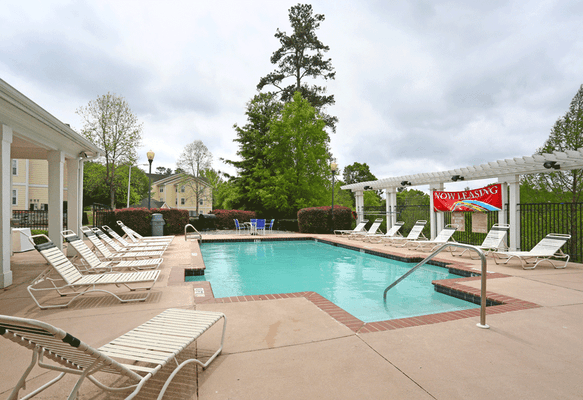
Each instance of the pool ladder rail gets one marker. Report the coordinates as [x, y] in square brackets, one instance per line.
[193, 235]
[482, 323]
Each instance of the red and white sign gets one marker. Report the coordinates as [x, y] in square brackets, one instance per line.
[488, 198]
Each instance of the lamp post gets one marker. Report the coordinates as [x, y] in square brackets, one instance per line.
[333, 168]
[150, 155]
[129, 181]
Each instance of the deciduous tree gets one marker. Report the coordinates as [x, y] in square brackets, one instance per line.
[195, 158]
[109, 123]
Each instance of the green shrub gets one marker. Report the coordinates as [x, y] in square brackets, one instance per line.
[225, 218]
[317, 219]
[139, 219]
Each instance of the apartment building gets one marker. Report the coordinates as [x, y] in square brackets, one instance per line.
[179, 191]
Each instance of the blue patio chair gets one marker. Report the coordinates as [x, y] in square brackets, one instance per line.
[270, 227]
[253, 226]
[261, 226]
[239, 227]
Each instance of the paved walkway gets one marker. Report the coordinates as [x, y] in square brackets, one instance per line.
[298, 347]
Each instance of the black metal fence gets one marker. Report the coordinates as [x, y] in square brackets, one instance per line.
[34, 219]
[536, 221]
[103, 215]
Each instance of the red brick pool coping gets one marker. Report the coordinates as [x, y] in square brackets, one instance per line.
[497, 303]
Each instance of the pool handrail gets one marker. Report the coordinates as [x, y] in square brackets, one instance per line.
[196, 233]
[482, 323]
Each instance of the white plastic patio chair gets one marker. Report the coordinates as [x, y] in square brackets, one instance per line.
[89, 262]
[358, 228]
[371, 231]
[445, 236]
[109, 255]
[391, 233]
[119, 249]
[137, 355]
[137, 238]
[545, 250]
[70, 282]
[493, 241]
[416, 233]
[134, 246]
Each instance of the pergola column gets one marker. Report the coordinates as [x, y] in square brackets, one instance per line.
[391, 206]
[359, 204]
[74, 196]
[5, 206]
[56, 161]
[513, 212]
[435, 218]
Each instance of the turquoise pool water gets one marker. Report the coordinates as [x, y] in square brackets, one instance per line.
[352, 280]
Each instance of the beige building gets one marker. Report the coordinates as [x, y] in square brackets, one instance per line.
[179, 191]
[30, 184]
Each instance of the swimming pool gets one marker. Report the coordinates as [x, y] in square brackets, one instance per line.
[352, 280]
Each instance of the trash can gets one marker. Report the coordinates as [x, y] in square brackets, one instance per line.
[157, 224]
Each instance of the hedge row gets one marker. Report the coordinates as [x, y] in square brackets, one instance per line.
[317, 219]
[139, 220]
[225, 218]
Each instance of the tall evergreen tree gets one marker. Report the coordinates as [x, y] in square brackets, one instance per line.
[301, 56]
[254, 144]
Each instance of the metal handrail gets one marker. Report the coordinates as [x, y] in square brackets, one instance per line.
[191, 233]
[482, 323]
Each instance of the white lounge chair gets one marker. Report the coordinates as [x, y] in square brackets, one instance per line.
[416, 233]
[137, 355]
[545, 250]
[119, 249]
[70, 282]
[109, 255]
[134, 246]
[493, 241]
[90, 263]
[364, 234]
[391, 233]
[445, 236]
[358, 228]
[137, 238]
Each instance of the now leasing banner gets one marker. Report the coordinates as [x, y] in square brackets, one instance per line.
[485, 199]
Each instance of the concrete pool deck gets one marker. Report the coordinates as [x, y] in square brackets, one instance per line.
[297, 346]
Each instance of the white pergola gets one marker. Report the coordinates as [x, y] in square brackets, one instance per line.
[507, 172]
[29, 132]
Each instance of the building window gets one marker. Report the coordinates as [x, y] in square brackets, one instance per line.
[201, 202]
[161, 189]
[183, 201]
[14, 197]
[183, 189]
[14, 167]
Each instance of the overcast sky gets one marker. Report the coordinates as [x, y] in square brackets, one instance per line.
[420, 86]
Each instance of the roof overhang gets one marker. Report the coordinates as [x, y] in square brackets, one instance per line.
[36, 132]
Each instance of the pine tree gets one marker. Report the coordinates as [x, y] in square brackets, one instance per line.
[301, 56]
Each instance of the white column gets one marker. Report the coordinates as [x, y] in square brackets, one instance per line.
[5, 206]
[435, 218]
[359, 204]
[513, 213]
[74, 199]
[56, 161]
[391, 194]
[502, 213]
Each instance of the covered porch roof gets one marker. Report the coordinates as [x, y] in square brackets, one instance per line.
[27, 131]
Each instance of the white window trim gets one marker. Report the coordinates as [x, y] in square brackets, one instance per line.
[14, 197]
[14, 167]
